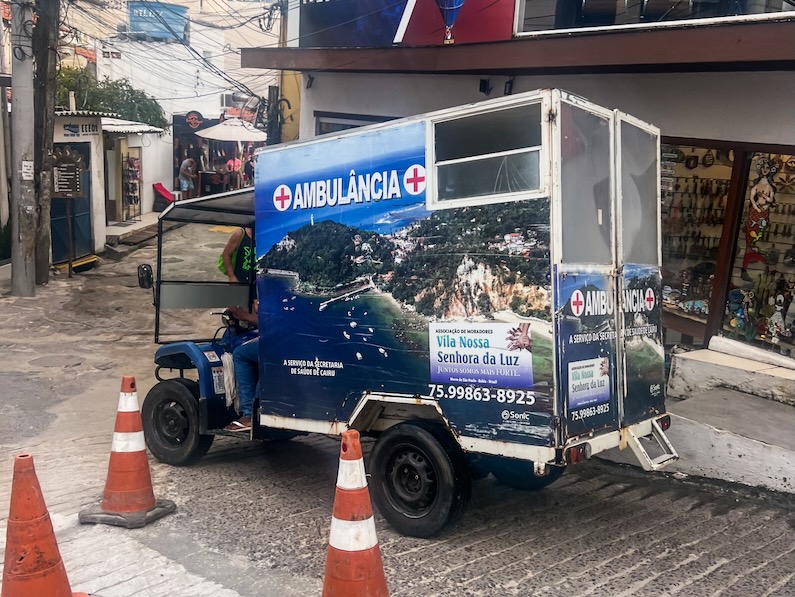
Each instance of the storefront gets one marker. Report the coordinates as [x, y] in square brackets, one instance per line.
[79, 181]
[211, 156]
[729, 243]
[134, 153]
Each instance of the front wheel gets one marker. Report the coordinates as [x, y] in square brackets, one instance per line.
[420, 478]
[170, 417]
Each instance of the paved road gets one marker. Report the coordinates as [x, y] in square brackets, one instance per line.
[600, 530]
[253, 519]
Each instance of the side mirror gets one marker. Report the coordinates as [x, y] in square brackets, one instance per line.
[145, 276]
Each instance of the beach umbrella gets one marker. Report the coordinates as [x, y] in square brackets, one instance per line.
[234, 129]
[237, 130]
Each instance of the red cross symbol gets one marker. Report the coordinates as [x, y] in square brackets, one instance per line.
[577, 303]
[414, 179]
[282, 197]
[649, 299]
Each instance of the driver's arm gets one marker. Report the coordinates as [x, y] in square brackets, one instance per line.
[242, 315]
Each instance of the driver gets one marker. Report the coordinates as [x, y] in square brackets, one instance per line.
[246, 360]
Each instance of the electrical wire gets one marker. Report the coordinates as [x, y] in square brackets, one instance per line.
[153, 66]
[209, 65]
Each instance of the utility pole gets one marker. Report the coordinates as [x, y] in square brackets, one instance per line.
[23, 192]
[45, 52]
[5, 141]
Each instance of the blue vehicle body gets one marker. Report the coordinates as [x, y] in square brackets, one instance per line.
[205, 358]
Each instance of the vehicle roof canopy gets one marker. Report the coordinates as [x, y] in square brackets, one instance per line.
[234, 208]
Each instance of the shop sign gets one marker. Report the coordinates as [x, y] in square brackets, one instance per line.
[71, 129]
[194, 119]
[67, 173]
[158, 20]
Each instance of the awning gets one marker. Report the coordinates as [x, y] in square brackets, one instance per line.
[235, 208]
[84, 113]
[121, 126]
[726, 46]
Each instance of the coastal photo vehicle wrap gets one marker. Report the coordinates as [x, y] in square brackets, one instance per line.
[362, 289]
[643, 344]
[586, 332]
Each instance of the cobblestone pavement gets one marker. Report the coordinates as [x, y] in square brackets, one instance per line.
[600, 530]
[253, 518]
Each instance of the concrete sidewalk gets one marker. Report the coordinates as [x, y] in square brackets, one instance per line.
[731, 436]
[114, 562]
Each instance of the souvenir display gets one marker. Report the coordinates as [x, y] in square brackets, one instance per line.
[695, 185]
[760, 307]
[693, 208]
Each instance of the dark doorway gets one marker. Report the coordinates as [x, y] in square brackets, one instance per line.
[80, 212]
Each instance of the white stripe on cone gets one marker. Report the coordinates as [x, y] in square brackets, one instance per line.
[128, 402]
[352, 535]
[351, 474]
[130, 441]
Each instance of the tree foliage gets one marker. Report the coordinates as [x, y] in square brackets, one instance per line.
[328, 254]
[117, 96]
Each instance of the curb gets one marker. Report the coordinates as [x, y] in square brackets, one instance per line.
[706, 451]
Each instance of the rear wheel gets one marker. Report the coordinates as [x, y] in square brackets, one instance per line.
[519, 474]
[420, 478]
[170, 417]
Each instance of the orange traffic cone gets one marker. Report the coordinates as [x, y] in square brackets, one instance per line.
[353, 563]
[129, 500]
[33, 564]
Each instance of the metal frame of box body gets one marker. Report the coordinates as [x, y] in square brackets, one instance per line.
[233, 208]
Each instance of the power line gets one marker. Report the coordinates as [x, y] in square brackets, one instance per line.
[240, 86]
[152, 65]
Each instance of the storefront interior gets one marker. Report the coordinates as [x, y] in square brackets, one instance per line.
[728, 217]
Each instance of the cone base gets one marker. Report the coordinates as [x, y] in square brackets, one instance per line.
[354, 573]
[130, 520]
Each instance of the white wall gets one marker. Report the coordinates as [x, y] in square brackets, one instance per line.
[97, 167]
[156, 164]
[750, 106]
[169, 72]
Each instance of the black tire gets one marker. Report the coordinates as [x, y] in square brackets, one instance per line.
[519, 474]
[420, 479]
[171, 423]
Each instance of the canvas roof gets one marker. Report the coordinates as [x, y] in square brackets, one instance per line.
[234, 208]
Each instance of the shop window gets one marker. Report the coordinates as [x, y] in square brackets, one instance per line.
[760, 307]
[330, 122]
[695, 192]
[544, 15]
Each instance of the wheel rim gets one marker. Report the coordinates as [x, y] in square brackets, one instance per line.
[410, 481]
[172, 424]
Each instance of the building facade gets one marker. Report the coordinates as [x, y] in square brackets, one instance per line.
[694, 70]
